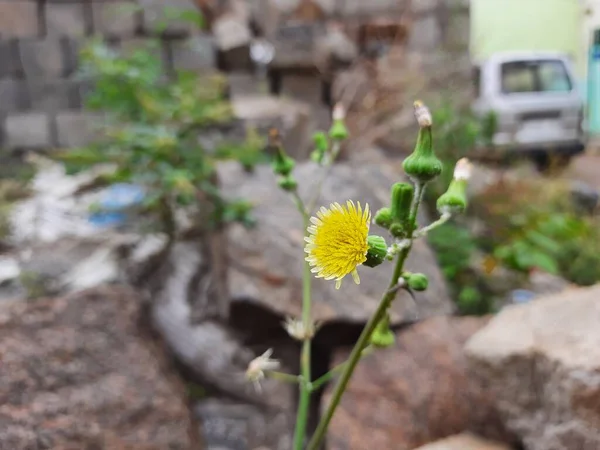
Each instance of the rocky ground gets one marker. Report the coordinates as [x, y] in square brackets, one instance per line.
[586, 168]
[160, 364]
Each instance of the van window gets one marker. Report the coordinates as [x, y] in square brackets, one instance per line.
[535, 76]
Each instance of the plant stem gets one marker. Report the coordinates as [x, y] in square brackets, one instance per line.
[282, 376]
[418, 197]
[442, 220]
[363, 340]
[335, 150]
[315, 385]
[301, 207]
[305, 388]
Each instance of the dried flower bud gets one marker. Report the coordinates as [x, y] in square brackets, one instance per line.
[422, 114]
[454, 200]
[338, 130]
[258, 366]
[422, 165]
[298, 330]
[463, 169]
[274, 138]
[339, 112]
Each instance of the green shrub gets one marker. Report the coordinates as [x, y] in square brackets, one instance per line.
[151, 131]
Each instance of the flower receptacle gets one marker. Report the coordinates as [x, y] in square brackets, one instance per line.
[454, 200]
[377, 252]
[382, 336]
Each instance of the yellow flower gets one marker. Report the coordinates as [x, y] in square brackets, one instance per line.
[337, 241]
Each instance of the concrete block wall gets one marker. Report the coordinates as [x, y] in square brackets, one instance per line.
[41, 97]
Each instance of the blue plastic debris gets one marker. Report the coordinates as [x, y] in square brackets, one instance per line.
[520, 296]
[122, 196]
[115, 202]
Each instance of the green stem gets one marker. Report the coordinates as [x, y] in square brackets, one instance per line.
[363, 340]
[419, 191]
[315, 385]
[442, 220]
[305, 388]
[282, 376]
[335, 150]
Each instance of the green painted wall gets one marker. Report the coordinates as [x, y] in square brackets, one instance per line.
[508, 25]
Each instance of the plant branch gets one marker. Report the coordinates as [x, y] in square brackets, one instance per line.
[363, 340]
[282, 376]
[305, 369]
[335, 150]
[423, 231]
[315, 385]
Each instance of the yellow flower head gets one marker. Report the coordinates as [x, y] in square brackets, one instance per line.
[337, 241]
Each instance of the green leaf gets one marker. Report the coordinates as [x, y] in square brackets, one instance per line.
[543, 261]
[543, 242]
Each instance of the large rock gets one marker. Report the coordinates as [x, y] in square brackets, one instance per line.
[541, 361]
[464, 441]
[416, 392]
[78, 372]
[266, 262]
[187, 311]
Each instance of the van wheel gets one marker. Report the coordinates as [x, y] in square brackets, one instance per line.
[549, 162]
[541, 161]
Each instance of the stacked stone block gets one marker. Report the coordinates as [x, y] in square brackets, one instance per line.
[41, 95]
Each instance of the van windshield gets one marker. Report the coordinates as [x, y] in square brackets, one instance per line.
[535, 76]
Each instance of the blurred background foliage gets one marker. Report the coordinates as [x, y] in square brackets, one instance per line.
[150, 131]
[519, 224]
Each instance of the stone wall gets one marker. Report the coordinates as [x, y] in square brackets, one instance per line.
[41, 96]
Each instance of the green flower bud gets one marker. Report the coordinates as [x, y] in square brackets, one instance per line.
[397, 230]
[287, 183]
[283, 165]
[321, 142]
[317, 155]
[382, 336]
[402, 197]
[383, 217]
[454, 200]
[417, 281]
[338, 130]
[377, 251]
[422, 165]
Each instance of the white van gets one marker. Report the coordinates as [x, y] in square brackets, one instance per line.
[537, 107]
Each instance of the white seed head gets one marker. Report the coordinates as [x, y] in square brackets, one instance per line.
[258, 366]
[463, 169]
[422, 114]
[339, 112]
[297, 330]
